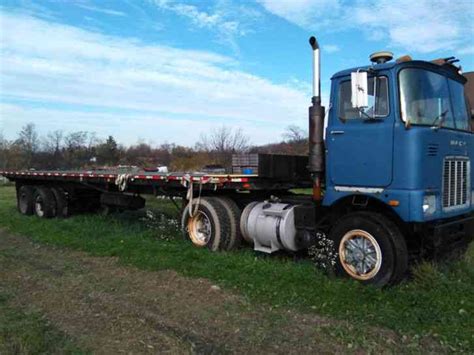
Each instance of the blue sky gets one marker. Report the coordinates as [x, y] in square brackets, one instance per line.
[167, 71]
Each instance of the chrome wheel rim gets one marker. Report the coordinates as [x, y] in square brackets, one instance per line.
[360, 254]
[200, 229]
[39, 206]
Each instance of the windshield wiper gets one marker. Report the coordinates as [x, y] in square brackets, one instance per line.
[441, 117]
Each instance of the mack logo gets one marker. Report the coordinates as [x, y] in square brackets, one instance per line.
[458, 143]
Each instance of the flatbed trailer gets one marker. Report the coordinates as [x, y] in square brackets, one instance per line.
[391, 181]
[122, 189]
[212, 201]
[142, 181]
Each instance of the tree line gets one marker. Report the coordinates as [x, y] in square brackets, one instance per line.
[60, 150]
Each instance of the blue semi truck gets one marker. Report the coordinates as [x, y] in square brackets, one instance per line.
[389, 168]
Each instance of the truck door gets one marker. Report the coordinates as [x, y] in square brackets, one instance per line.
[360, 144]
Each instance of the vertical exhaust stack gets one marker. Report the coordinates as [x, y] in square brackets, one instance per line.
[316, 126]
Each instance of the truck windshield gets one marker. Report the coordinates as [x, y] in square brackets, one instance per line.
[428, 98]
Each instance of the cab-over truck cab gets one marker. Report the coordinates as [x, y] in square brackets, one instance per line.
[401, 145]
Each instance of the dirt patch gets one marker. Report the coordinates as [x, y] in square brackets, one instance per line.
[110, 308]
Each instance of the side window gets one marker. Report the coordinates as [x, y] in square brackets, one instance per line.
[459, 104]
[378, 100]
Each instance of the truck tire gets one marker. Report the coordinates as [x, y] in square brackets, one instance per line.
[25, 200]
[62, 204]
[370, 249]
[234, 214]
[44, 202]
[210, 225]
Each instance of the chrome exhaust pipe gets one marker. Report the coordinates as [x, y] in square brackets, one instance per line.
[316, 67]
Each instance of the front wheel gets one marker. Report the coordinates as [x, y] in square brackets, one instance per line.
[370, 249]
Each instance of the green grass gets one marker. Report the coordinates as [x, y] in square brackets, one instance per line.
[27, 332]
[438, 303]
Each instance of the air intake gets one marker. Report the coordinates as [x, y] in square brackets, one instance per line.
[432, 150]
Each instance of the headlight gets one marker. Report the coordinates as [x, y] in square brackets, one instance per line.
[429, 205]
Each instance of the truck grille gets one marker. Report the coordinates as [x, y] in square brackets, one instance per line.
[456, 179]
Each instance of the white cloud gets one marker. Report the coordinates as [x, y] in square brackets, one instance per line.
[467, 50]
[305, 13]
[55, 65]
[101, 10]
[229, 21]
[422, 26]
[331, 48]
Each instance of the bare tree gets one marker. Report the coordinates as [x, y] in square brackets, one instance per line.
[294, 134]
[76, 149]
[4, 148]
[93, 140]
[28, 142]
[54, 142]
[76, 140]
[224, 140]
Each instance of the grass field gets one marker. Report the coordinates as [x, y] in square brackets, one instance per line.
[436, 306]
[27, 332]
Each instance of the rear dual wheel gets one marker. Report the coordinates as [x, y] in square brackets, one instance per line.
[42, 201]
[61, 201]
[25, 200]
[213, 223]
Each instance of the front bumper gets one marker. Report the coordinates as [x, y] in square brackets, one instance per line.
[452, 231]
[464, 226]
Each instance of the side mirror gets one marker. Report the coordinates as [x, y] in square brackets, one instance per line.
[359, 93]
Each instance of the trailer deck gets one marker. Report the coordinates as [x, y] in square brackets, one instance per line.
[138, 179]
[268, 172]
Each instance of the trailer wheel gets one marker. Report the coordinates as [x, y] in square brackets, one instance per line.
[209, 226]
[370, 249]
[25, 200]
[62, 205]
[234, 214]
[44, 202]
